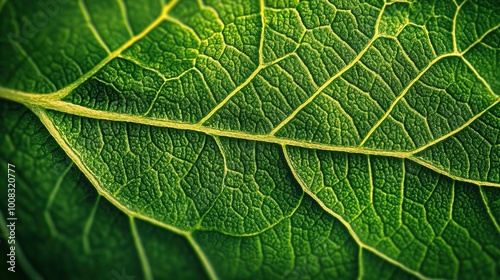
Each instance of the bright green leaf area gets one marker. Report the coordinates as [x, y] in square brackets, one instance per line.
[265, 139]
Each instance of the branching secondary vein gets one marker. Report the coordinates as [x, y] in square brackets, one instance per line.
[77, 110]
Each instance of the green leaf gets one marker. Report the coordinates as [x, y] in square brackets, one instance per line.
[396, 208]
[264, 139]
[64, 227]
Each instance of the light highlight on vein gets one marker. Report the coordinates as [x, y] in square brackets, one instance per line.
[53, 102]
[91, 26]
[76, 159]
[327, 83]
[403, 93]
[113, 54]
[347, 225]
[72, 109]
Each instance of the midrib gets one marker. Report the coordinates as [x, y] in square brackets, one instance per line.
[53, 102]
[68, 108]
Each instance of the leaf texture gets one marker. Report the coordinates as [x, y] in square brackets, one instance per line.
[264, 139]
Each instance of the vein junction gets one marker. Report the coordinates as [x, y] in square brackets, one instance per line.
[57, 101]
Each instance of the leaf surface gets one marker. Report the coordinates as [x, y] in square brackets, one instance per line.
[265, 139]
